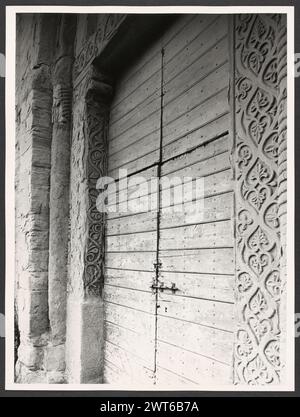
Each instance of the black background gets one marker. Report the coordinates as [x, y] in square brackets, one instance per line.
[119, 396]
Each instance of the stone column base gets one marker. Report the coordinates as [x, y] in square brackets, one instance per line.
[84, 347]
[44, 364]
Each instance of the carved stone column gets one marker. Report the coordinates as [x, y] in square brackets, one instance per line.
[86, 261]
[34, 134]
[257, 359]
[59, 197]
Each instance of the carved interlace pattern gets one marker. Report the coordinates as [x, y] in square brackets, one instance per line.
[96, 136]
[258, 287]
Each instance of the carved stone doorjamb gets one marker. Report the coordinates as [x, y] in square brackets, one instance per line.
[258, 287]
[282, 172]
[86, 260]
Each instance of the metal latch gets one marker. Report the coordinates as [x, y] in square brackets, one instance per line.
[162, 287]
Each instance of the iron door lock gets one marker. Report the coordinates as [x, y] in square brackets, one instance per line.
[161, 287]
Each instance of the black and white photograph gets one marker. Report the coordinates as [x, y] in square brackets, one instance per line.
[151, 199]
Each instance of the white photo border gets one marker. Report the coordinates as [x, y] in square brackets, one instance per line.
[11, 12]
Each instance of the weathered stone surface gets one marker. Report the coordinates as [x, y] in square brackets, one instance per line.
[30, 356]
[55, 377]
[59, 190]
[33, 145]
[92, 337]
[84, 341]
[78, 202]
[55, 358]
[33, 312]
[47, 242]
[27, 376]
[37, 239]
[86, 250]
[33, 281]
[37, 260]
[73, 340]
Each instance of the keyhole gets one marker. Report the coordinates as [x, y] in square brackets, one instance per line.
[166, 309]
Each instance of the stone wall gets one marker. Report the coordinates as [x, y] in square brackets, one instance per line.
[53, 245]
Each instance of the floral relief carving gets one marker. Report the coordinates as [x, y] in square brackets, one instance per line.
[270, 147]
[245, 221]
[245, 347]
[244, 155]
[256, 372]
[259, 327]
[255, 40]
[257, 352]
[270, 73]
[244, 282]
[271, 216]
[273, 284]
[259, 184]
[273, 354]
[258, 304]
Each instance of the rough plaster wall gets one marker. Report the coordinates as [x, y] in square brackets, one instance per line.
[33, 143]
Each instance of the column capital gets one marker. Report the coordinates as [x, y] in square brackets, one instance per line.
[95, 87]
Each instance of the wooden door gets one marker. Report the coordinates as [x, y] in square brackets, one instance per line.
[131, 232]
[195, 323]
[170, 118]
